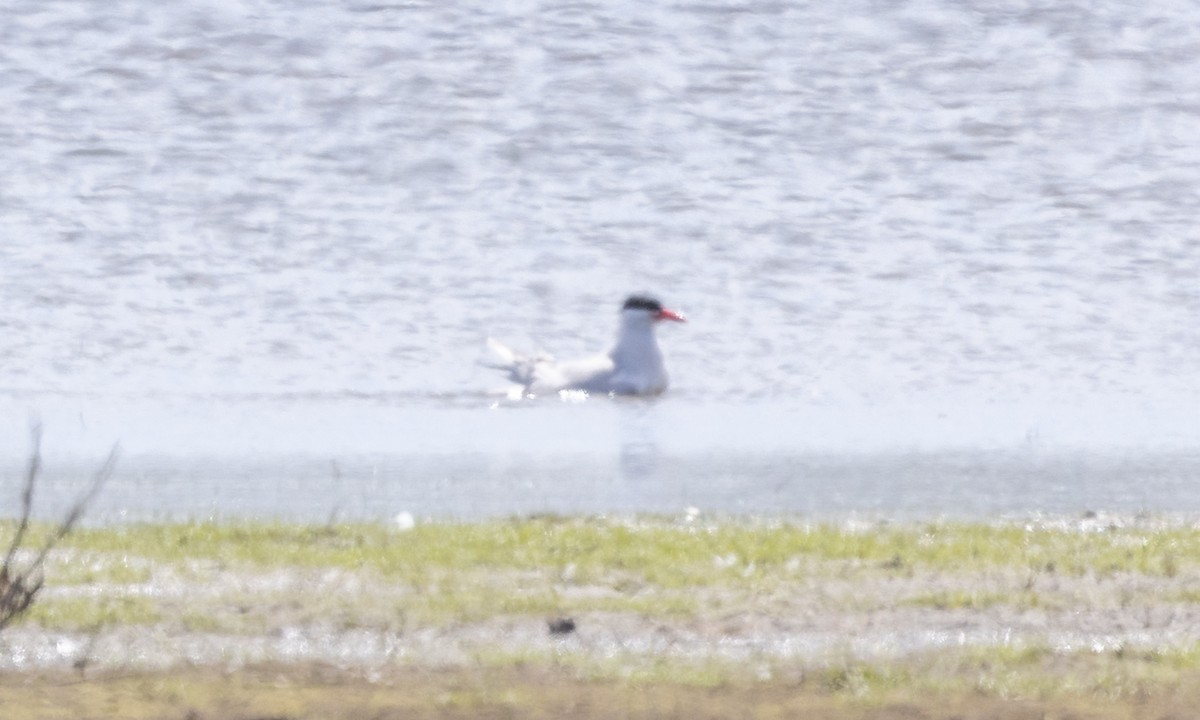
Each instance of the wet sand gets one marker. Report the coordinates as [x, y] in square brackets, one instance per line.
[312, 692]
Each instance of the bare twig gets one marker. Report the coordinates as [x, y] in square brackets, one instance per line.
[31, 473]
[19, 587]
[100, 477]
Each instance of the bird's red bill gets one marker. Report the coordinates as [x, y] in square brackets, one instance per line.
[666, 314]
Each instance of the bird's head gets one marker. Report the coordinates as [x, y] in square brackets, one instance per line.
[649, 308]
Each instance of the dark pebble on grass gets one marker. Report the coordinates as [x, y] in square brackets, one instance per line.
[561, 626]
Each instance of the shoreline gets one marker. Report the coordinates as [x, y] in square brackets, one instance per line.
[1061, 610]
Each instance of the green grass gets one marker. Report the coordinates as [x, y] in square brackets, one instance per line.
[90, 613]
[454, 572]
[654, 551]
[446, 574]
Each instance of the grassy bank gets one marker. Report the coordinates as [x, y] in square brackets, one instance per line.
[1088, 616]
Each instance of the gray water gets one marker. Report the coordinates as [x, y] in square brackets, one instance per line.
[939, 258]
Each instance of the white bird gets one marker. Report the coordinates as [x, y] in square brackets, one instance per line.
[633, 367]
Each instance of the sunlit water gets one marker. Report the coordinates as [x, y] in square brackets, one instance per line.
[939, 258]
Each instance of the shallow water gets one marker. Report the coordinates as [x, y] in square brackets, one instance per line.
[938, 257]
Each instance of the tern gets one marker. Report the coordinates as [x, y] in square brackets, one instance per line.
[633, 367]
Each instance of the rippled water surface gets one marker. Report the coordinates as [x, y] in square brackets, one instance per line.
[938, 257]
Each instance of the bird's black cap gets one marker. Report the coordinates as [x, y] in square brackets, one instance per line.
[642, 302]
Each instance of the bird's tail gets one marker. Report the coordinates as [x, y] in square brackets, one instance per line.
[521, 369]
